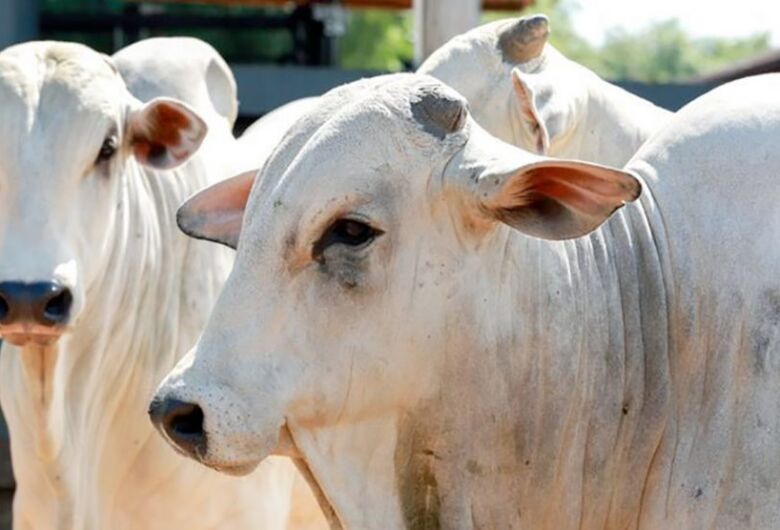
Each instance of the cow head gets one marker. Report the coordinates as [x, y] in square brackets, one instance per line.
[519, 87]
[352, 275]
[71, 141]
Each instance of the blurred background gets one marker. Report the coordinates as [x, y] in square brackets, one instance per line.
[668, 51]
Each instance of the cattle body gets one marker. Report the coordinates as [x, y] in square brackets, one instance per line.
[100, 292]
[525, 92]
[389, 319]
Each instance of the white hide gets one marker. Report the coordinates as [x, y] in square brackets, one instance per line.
[525, 92]
[453, 372]
[84, 453]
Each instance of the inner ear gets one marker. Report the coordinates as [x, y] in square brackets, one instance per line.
[530, 112]
[559, 199]
[165, 133]
[217, 212]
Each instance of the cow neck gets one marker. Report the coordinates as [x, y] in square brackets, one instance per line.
[564, 399]
[555, 386]
[135, 324]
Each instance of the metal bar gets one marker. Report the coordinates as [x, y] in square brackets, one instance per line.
[262, 88]
[493, 5]
[85, 22]
[18, 21]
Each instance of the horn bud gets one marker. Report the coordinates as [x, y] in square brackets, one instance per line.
[439, 109]
[524, 39]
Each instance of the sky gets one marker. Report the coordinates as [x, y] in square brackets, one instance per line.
[701, 18]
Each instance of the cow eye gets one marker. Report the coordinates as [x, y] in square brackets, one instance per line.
[107, 150]
[347, 232]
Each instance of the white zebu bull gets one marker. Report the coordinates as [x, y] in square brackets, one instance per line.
[389, 319]
[523, 91]
[90, 179]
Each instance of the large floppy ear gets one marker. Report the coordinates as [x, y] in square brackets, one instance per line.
[165, 133]
[550, 101]
[555, 199]
[530, 111]
[521, 43]
[216, 213]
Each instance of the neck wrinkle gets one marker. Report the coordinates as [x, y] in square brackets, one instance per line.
[587, 382]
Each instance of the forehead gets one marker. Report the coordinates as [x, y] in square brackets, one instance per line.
[56, 78]
[54, 93]
[372, 143]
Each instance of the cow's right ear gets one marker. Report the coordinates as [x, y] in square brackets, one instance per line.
[543, 197]
[217, 212]
[554, 199]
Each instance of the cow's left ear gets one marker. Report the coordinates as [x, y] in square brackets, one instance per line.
[555, 199]
[549, 103]
[165, 133]
[217, 212]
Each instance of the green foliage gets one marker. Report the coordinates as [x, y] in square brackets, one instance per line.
[662, 52]
[378, 40]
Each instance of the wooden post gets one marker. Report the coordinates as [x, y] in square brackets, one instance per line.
[18, 21]
[437, 21]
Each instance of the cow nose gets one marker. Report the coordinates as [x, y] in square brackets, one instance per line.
[43, 303]
[181, 423]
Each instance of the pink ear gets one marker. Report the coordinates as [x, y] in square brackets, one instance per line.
[530, 112]
[557, 199]
[216, 213]
[165, 133]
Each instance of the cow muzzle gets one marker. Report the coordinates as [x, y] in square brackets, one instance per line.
[34, 312]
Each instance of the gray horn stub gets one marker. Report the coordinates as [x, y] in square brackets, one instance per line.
[440, 111]
[524, 39]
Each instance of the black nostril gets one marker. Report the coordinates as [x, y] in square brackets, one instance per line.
[187, 421]
[43, 303]
[4, 309]
[182, 424]
[57, 309]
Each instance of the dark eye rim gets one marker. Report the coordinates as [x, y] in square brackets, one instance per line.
[347, 231]
[108, 149]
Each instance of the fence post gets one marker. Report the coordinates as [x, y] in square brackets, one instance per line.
[437, 21]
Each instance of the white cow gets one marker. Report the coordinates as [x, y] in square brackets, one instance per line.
[389, 318]
[99, 292]
[525, 92]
